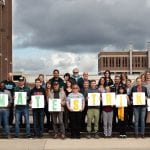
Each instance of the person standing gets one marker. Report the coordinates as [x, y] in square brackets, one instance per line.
[4, 111]
[58, 93]
[84, 78]
[140, 110]
[123, 114]
[47, 113]
[41, 77]
[22, 110]
[107, 117]
[93, 113]
[38, 113]
[84, 91]
[76, 77]
[57, 79]
[75, 116]
[10, 86]
[67, 90]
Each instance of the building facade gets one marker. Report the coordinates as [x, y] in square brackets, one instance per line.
[129, 61]
[5, 38]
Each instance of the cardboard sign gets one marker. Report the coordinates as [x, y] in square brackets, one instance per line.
[139, 98]
[93, 99]
[3, 100]
[20, 98]
[108, 99]
[148, 104]
[54, 105]
[76, 104]
[37, 101]
[121, 100]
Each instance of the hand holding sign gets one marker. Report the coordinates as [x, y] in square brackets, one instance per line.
[54, 105]
[37, 101]
[20, 98]
[93, 99]
[121, 100]
[108, 99]
[3, 100]
[76, 104]
[139, 98]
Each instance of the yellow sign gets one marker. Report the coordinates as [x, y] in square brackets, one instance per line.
[139, 98]
[93, 99]
[108, 99]
[76, 104]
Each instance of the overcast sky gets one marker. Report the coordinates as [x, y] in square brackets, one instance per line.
[63, 34]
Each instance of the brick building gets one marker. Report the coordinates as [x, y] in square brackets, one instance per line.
[5, 38]
[129, 61]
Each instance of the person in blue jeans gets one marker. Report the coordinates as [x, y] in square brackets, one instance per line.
[22, 110]
[38, 113]
[139, 110]
[4, 111]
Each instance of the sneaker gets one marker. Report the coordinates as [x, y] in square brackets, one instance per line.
[62, 136]
[55, 136]
[88, 136]
[136, 136]
[7, 137]
[124, 136]
[28, 136]
[142, 136]
[96, 136]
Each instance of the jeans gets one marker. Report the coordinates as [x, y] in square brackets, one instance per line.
[4, 116]
[38, 121]
[23, 110]
[139, 114]
[107, 123]
[58, 115]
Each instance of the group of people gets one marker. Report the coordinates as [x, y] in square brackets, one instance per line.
[75, 87]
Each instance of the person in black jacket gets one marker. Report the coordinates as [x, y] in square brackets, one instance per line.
[38, 113]
[139, 110]
[56, 78]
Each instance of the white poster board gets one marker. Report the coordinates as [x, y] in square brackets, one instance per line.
[76, 104]
[20, 98]
[54, 105]
[3, 100]
[121, 100]
[93, 99]
[37, 101]
[108, 99]
[139, 98]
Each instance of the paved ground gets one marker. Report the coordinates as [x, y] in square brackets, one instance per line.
[72, 144]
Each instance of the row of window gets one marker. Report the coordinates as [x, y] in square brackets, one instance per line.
[124, 62]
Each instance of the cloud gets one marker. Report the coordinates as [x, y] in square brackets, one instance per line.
[64, 61]
[80, 25]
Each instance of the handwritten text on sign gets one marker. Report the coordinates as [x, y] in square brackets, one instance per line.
[55, 105]
[76, 104]
[37, 101]
[93, 99]
[121, 100]
[108, 99]
[3, 100]
[139, 98]
[20, 98]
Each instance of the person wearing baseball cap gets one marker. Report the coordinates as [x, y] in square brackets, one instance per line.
[22, 110]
